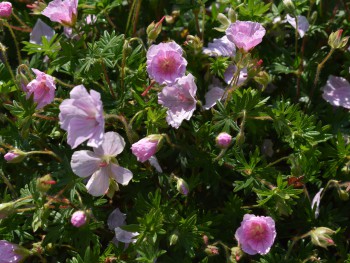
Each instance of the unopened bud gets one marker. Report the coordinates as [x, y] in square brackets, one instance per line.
[44, 183]
[78, 218]
[182, 186]
[15, 156]
[262, 78]
[173, 239]
[6, 209]
[223, 140]
[169, 19]
[232, 15]
[195, 43]
[211, 250]
[320, 236]
[5, 9]
[37, 7]
[223, 20]
[336, 40]
[290, 8]
[236, 254]
[154, 29]
[343, 195]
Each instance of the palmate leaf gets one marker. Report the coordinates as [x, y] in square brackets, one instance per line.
[47, 48]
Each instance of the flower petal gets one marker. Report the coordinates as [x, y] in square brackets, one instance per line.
[84, 163]
[113, 144]
[98, 183]
[120, 174]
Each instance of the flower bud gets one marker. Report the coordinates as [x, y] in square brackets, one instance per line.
[7, 209]
[182, 186]
[37, 7]
[154, 29]
[263, 78]
[223, 20]
[5, 9]
[44, 183]
[211, 250]
[336, 40]
[169, 19]
[78, 218]
[343, 195]
[236, 254]
[320, 236]
[173, 239]
[290, 8]
[223, 140]
[145, 148]
[15, 156]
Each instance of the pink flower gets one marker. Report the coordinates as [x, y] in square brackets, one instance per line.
[101, 164]
[223, 140]
[337, 92]
[62, 11]
[180, 100]
[165, 62]
[5, 9]
[256, 234]
[11, 252]
[78, 218]
[42, 88]
[145, 148]
[220, 47]
[82, 117]
[303, 24]
[245, 34]
[230, 71]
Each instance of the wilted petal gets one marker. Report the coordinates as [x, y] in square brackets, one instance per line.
[98, 184]
[112, 144]
[120, 174]
[316, 202]
[154, 162]
[116, 219]
[40, 30]
[125, 236]
[85, 163]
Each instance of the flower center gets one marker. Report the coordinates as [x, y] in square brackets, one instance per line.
[257, 231]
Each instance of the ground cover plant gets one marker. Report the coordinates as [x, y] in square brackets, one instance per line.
[174, 131]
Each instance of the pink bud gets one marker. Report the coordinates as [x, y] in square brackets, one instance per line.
[5, 9]
[223, 140]
[78, 218]
[10, 156]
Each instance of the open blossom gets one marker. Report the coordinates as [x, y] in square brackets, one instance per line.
[82, 117]
[62, 11]
[145, 148]
[337, 92]
[220, 47]
[42, 88]
[303, 24]
[256, 234]
[165, 62]
[101, 165]
[5, 9]
[10, 252]
[78, 218]
[180, 100]
[245, 34]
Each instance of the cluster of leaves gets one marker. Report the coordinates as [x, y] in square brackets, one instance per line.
[309, 138]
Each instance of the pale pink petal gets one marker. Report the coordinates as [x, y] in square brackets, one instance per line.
[303, 24]
[120, 174]
[125, 236]
[85, 163]
[79, 131]
[98, 184]
[220, 47]
[40, 30]
[337, 92]
[113, 144]
[116, 219]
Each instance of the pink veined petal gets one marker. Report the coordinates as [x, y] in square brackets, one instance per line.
[85, 163]
[79, 92]
[113, 144]
[79, 130]
[120, 174]
[98, 184]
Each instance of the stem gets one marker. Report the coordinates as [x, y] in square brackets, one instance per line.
[21, 29]
[277, 161]
[197, 22]
[63, 83]
[45, 152]
[221, 154]
[130, 15]
[128, 130]
[318, 71]
[45, 117]
[8, 183]
[20, 21]
[15, 41]
[296, 36]
[109, 20]
[136, 16]
[3, 53]
[107, 79]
